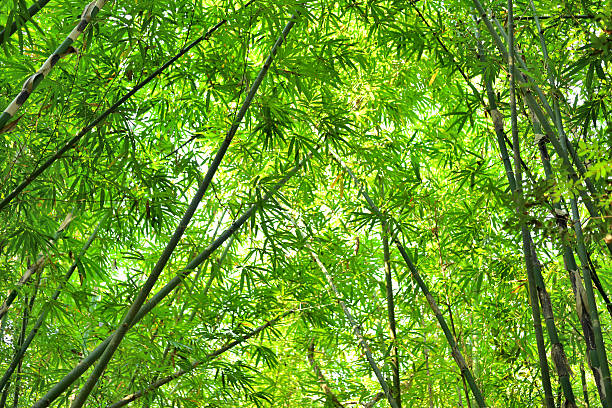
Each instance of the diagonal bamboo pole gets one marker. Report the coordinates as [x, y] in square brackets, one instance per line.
[321, 378]
[124, 326]
[65, 48]
[165, 380]
[456, 353]
[70, 144]
[93, 356]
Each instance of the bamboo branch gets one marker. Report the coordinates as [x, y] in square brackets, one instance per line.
[42, 258]
[456, 353]
[32, 10]
[70, 144]
[542, 117]
[93, 356]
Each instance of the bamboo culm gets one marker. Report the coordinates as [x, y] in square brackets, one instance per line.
[93, 356]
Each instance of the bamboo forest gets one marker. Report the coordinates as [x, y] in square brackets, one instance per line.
[315, 203]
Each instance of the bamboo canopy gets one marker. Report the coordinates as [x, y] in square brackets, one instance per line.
[343, 203]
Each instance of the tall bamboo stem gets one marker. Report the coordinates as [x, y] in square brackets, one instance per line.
[391, 316]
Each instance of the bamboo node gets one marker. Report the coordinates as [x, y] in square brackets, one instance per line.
[539, 137]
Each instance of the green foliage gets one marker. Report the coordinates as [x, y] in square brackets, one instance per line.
[380, 83]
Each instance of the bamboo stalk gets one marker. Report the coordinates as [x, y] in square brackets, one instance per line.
[32, 10]
[93, 356]
[456, 353]
[65, 48]
[40, 262]
[141, 298]
[356, 329]
[70, 144]
[391, 316]
[498, 125]
[321, 378]
[528, 250]
[588, 284]
[165, 380]
[20, 352]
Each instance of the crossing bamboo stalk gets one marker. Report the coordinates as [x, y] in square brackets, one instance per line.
[321, 378]
[455, 351]
[65, 48]
[32, 269]
[95, 354]
[356, 328]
